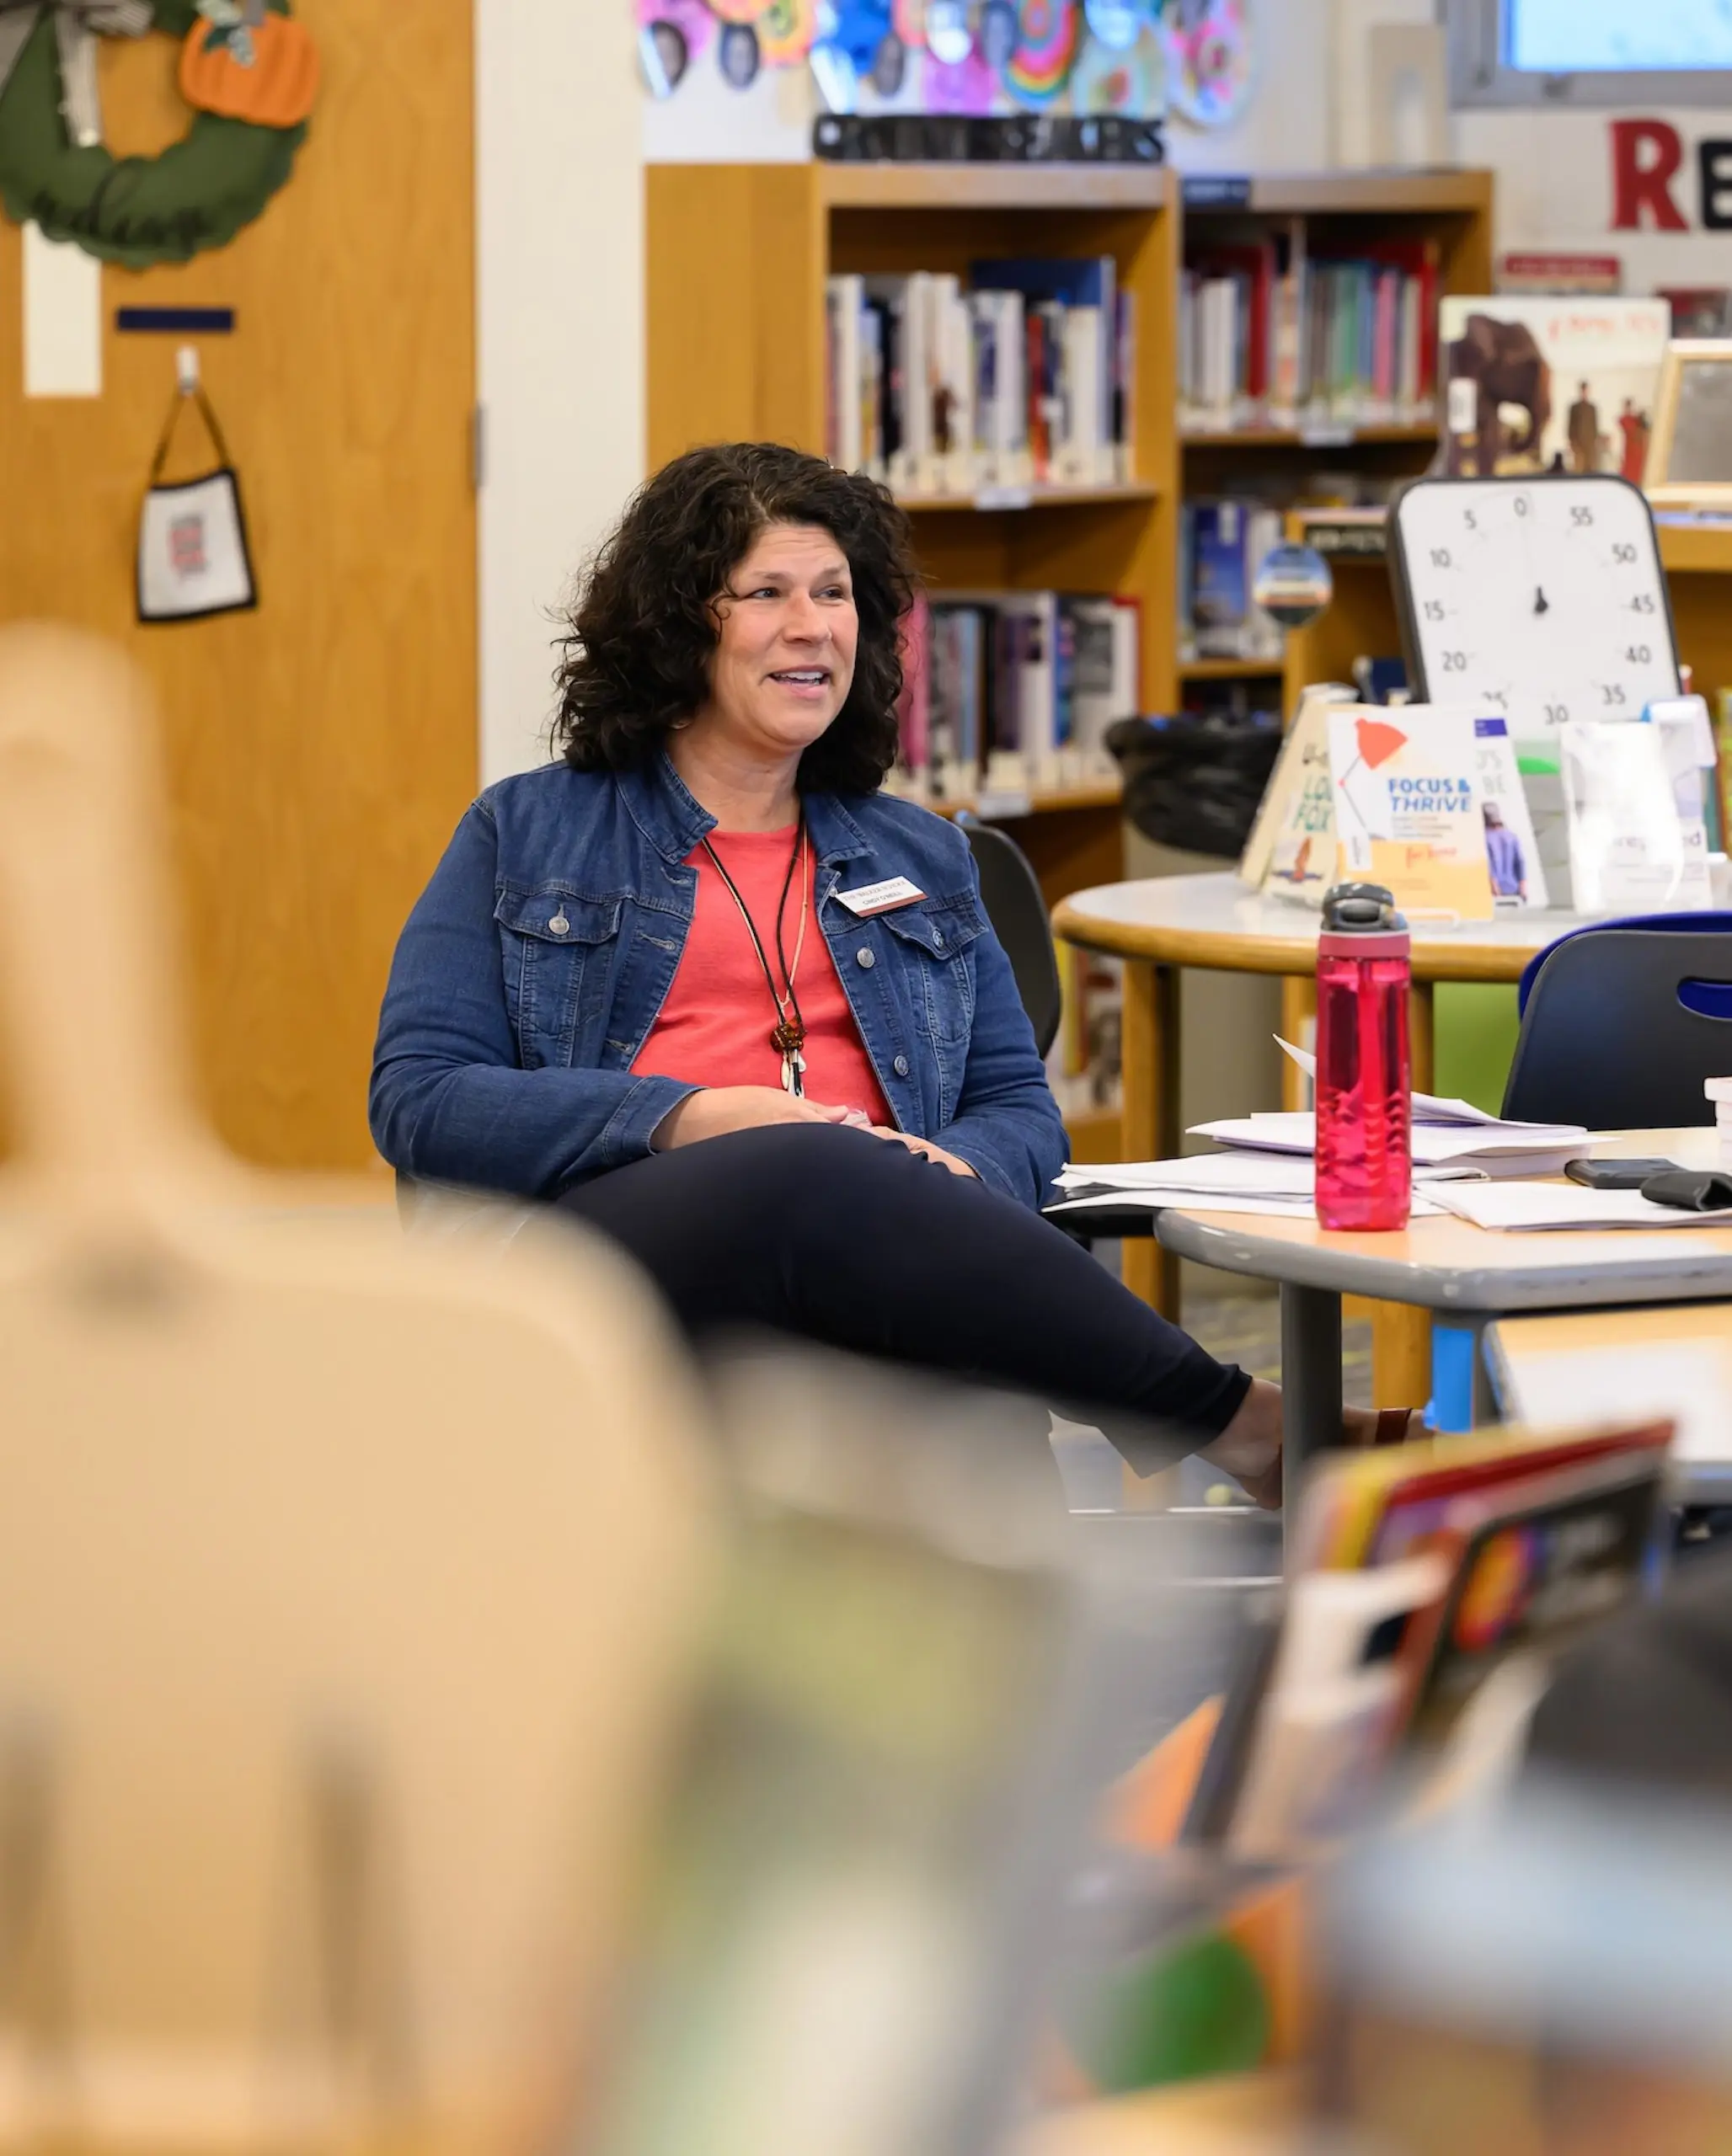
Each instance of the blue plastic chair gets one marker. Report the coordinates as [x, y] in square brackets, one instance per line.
[1624, 1025]
[1715, 923]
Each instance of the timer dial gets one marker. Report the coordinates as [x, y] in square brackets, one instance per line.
[1543, 598]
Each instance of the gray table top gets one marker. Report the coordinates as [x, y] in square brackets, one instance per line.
[1447, 1264]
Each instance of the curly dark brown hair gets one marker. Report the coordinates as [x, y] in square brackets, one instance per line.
[641, 633]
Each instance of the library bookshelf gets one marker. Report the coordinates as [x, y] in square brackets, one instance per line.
[737, 256]
[1340, 214]
[1361, 622]
[737, 259]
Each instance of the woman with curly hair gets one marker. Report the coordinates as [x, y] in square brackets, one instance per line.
[706, 987]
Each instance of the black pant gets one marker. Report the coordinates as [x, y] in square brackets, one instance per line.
[840, 1237]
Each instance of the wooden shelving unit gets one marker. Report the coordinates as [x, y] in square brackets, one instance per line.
[1343, 209]
[1321, 436]
[1361, 619]
[1107, 793]
[1696, 548]
[1230, 669]
[736, 260]
[1015, 501]
[1435, 192]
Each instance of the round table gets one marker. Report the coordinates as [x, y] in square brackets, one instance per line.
[1214, 922]
[1163, 923]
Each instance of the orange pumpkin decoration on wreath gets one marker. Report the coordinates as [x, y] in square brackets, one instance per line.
[263, 70]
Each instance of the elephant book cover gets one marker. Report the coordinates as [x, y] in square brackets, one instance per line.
[1561, 384]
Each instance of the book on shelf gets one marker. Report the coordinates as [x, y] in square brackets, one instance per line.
[1358, 532]
[1012, 692]
[1272, 334]
[1085, 1063]
[1382, 681]
[1554, 274]
[1698, 310]
[1223, 544]
[1023, 377]
[1564, 385]
[1721, 801]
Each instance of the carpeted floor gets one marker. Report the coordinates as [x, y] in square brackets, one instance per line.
[1247, 1330]
[1204, 1556]
[1237, 1326]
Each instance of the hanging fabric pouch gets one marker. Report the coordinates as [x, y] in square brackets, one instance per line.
[193, 560]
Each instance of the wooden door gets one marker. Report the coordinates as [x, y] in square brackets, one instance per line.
[320, 750]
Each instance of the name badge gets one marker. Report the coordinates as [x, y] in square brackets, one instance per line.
[881, 897]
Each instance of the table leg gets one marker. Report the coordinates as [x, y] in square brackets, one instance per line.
[1298, 1014]
[1422, 1041]
[1150, 1054]
[1462, 1392]
[1311, 1377]
[1400, 1336]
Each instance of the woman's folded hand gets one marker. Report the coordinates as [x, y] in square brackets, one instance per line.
[927, 1150]
[718, 1109]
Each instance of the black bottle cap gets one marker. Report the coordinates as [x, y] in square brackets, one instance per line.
[1361, 909]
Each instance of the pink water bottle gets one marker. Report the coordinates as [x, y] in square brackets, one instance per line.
[1365, 1166]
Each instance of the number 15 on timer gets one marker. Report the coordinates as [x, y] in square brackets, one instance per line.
[1542, 599]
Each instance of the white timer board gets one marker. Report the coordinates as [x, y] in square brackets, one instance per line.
[1542, 598]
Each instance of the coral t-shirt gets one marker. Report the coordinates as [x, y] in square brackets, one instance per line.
[714, 1027]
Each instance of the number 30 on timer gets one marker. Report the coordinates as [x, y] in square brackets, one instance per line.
[1543, 598]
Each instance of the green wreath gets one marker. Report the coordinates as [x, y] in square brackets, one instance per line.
[198, 194]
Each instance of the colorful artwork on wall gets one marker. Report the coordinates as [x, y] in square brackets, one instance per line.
[1209, 60]
[1129, 58]
[1045, 53]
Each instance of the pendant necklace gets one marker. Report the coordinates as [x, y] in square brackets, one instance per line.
[788, 1036]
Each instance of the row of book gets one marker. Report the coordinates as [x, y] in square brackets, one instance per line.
[1012, 692]
[1085, 1065]
[1022, 377]
[1222, 545]
[1271, 336]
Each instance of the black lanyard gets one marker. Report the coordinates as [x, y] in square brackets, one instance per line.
[788, 1036]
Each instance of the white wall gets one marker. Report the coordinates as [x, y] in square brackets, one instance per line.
[560, 297]
[563, 128]
[1555, 190]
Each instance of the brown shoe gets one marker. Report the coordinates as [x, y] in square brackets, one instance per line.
[1394, 1425]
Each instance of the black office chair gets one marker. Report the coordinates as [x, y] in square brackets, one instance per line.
[1015, 906]
[1622, 1025]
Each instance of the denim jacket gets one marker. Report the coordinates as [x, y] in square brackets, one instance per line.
[536, 961]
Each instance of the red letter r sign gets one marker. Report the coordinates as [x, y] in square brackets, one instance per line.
[1645, 158]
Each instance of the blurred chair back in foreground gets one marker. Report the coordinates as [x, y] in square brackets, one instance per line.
[349, 1582]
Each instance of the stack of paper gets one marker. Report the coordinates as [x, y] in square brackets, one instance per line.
[1546, 1205]
[1269, 1166]
[1443, 1132]
[1274, 1182]
[1492, 1148]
